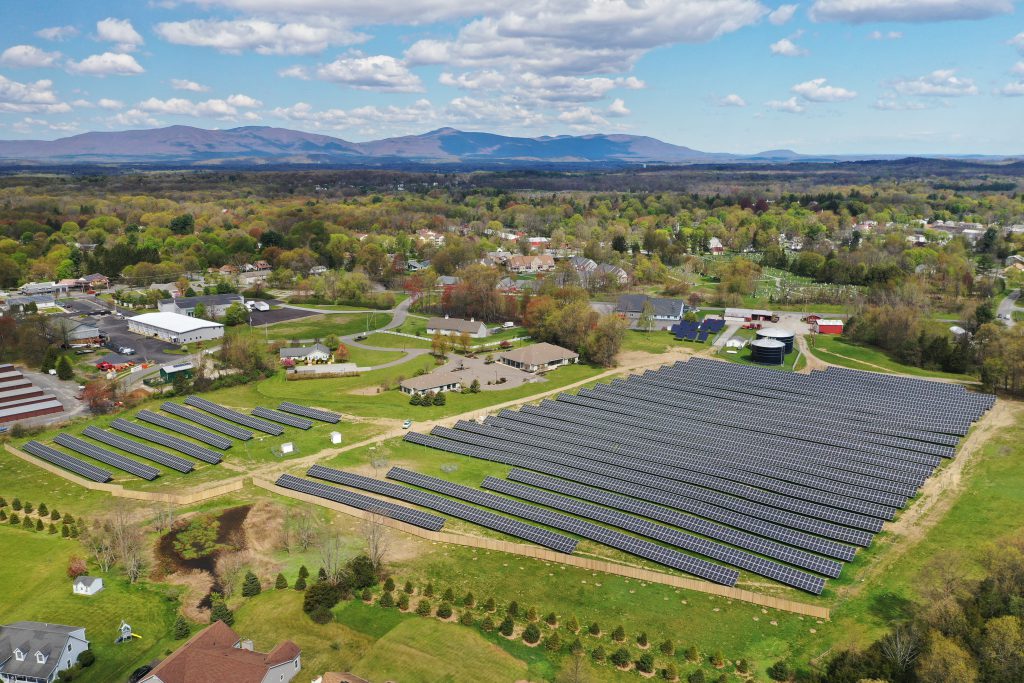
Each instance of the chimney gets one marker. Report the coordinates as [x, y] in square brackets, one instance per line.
[445, 316]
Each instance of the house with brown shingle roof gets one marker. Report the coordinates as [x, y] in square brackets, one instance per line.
[217, 655]
[538, 357]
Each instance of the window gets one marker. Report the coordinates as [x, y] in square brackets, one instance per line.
[40, 658]
[19, 655]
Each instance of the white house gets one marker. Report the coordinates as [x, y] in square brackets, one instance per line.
[456, 326]
[87, 585]
[35, 652]
[317, 353]
[174, 327]
[431, 382]
[715, 246]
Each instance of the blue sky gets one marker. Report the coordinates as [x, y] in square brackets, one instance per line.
[822, 76]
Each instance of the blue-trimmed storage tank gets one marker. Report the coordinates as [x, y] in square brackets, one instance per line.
[768, 351]
[778, 334]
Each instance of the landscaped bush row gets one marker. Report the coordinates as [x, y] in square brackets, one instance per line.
[22, 515]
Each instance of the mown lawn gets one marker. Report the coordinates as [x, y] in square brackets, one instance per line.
[838, 351]
[394, 341]
[320, 326]
[365, 358]
[35, 588]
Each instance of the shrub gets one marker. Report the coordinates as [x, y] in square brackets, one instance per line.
[487, 625]
[408, 587]
[641, 639]
[3, 516]
[300, 583]
[28, 508]
[16, 504]
[64, 369]
[39, 525]
[670, 672]
[444, 610]
[303, 572]
[86, 658]
[181, 628]
[513, 609]
[489, 606]
[320, 594]
[423, 608]
[389, 585]
[469, 600]
[692, 655]
[619, 634]
[667, 648]
[553, 643]
[742, 666]
[449, 595]
[322, 615]
[598, 654]
[52, 529]
[76, 567]
[414, 400]
[251, 585]
[64, 531]
[403, 601]
[281, 582]
[429, 590]
[14, 519]
[386, 600]
[594, 629]
[507, 626]
[718, 659]
[780, 671]
[439, 399]
[55, 515]
[551, 619]
[573, 625]
[43, 511]
[620, 658]
[531, 634]
[696, 677]
[645, 664]
[367, 596]
[466, 618]
[27, 523]
[531, 614]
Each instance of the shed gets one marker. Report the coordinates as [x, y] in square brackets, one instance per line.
[87, 585]
[169, 372]
[828, 326]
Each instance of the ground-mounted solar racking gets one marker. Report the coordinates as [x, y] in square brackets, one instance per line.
[235, 416]
[140, 449]
[172, 442]
[447, 506]
[185, 429]
[200, 418]
[70, 463]
[313, 413]
[147, 472]
[283, 418]
[423, 520]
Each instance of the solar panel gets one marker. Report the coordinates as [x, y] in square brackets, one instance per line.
[139, 449]
[147, 472]
[234, 416]
[283, 418]
[209, 438]
[615, 539]
[172, 442]
[424, 520]
[213, 423]
[55, 457]
[452, 508]
[314, 413]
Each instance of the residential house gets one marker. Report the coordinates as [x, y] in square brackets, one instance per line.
[425, 235]
[510, 287]
[317, 353]
[445, 282]
[715, 246]
[96, 281]
[87, 585]
[228, 270]
[1014, 259]
[414, 266]
[538, 357]
[215, 304]
[454, 327]
[531, 263]
[583, 265]
[606, 273]
[36, 652]
[318, 270]
[34, 288]
[432, 382]
[261, 266]
[217, 655]
[917, 240]
[664, 312]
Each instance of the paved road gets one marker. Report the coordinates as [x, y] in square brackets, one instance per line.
[398, 315]
[1007, 306]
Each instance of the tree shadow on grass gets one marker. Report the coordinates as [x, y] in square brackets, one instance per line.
[891, 607]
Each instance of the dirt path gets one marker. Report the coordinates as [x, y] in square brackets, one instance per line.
[813, 362]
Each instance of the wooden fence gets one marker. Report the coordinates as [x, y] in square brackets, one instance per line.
[587, 563]
[195, 495]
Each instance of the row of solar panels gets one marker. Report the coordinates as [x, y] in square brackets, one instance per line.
[177, 463]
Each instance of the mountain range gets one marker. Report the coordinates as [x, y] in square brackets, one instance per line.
[265, 145]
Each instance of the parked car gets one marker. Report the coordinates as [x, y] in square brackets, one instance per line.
[407, 424]
[126, 351]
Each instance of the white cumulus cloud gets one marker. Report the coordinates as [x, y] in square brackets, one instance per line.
[790, 106]
[106, 64]
[191, 86]
[375, 72]
[244, 101]
[1018, 42]
[119, 31]
[782, 14]
[179, 106]
[818, 90]
[1018, 68]
[732, 100]
[35, 96]
[940, 83]
[28, 56]
[259, 35]
[57, 32]
[787, 48]
[866, 11]
[108, 103]
[618, 108]
[133, 117]
[1015, 89]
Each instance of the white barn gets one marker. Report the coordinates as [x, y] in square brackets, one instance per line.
[174, 327]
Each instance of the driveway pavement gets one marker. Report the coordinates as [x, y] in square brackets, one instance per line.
[1007, 307]
[489, 375]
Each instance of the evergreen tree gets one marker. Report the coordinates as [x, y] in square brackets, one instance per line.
[645, 664]
[513, 609]
[423, 608]
[27, 523]
[474, 388]
[15, 519]
[594, 629]
[553, 642]
[507, 627]
[449, 595]
[16, 504]
[466, 618]
[667, 648]
[303, 572]
[251, 585]
[429, 590]
[692, 654]
[64, 369]
[487, 625]
[74, 532]
[3, 515]
[367, 595]
[386, 600]
[469, 600]
[670, 672]
[408, 587]
[39, 525]
[573, 625]
[551, 619]
[220, 612]
[439, 399]
[619, 634]
[64, 531]
[531, 634]
[718, 659]
[598, 654]
[28, 508]
[696, 677]
[300, 583]
[280, 582]
[321, 575]
[444, 610]
[403, 602]
[576, 648]
[641, 640]
[742, 666]
[3, 502]
[490, 606]
[43, 511]
[181, 628]
[414, 400]
[389, 585]
[620, 657]
[55, 515]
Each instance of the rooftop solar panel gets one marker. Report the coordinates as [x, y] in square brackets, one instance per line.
[234, 416]
[55, 457]
[147, 472]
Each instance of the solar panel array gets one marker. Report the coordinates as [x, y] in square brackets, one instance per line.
[450, 507]
[691, 330]
[209, 438]
[55, 457]
[424, 520]
[213, 423]
[234, 416]
[147, 472]
[775, 473]
[283, 418]
[140, 449]
[172, 442]
[314, 413]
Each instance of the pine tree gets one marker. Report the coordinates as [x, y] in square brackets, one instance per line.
[553, 642]
[43, 511]
[181, 628]
[64, 531]
[513, 609]
[52, 528]
[641, 640]
[718, 659]
[3, 502]
[598, 654]
[531, 634]
[645, 664]
[280, 582]
[429, 590]
[594, 629]
[39, 525]
[16, 504]
[423, 608]
[490, 606]
[449, 595]
[386, 600]
[300, 583]
[576, 647]
[670, 672]
[667, 648]
[220, 612]
[620, 657]
[408, 587]
[64, 369]
[74, 532]
[742, 666]
[414, 400]
[487, 625]
[27, 523]
[251, 585]
[403, 602]
[321, 575]
[507, 627]
[439, 399]
[469, 600]
[692, 654]
[367, 595]
[303, 572]
[389, 585]
[28, 508]
[551, 619]
[573, 625]
[466, 618]
[444, 610]
[54, 515]
[3, 515]
[619, 634]
[15, 519]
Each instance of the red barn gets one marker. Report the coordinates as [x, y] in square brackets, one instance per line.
[828, 326]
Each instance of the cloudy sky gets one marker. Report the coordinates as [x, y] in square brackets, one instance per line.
[850, 76]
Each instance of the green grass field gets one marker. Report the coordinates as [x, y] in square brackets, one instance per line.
[35, 588]
[319, 326]
[365, 358]
[838, 351]
[393, 341]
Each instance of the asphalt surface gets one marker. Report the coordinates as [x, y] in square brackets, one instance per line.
[1007, 306]
[280, 315]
